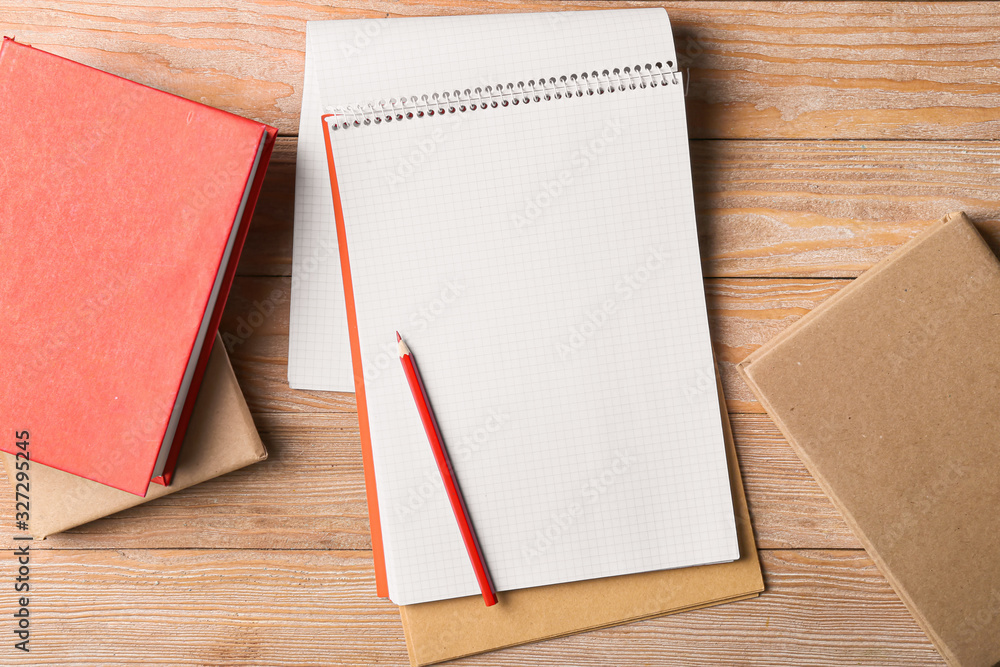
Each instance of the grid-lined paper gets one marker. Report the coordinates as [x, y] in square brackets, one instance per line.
[319, 350]
[542, 263]
[350, 62]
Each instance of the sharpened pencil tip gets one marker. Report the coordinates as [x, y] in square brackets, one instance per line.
[398, 337]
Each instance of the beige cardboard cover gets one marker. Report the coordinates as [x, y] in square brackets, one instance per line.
[220, 438]
[890, 393]
[447, 629]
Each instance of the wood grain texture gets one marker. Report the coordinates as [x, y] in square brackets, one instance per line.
[286, 608]
[832, 208]
[309, 494]
[765, 208]
[269, 565]
[767, 69]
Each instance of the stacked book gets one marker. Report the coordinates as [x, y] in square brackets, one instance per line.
[123, 215]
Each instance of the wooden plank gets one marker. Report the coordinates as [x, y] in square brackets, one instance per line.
[811, 70]
[765, 208]
[194, 607]
[832, 208]
[851, 70]
[744, 314]
[309, 494]
[289, 608]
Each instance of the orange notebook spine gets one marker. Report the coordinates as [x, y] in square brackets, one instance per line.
[381, 584]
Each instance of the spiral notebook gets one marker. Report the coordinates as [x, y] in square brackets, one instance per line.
[513, 194]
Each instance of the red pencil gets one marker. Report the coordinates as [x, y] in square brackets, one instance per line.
[447, 474]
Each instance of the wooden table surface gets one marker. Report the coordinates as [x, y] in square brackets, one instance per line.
[823, 135]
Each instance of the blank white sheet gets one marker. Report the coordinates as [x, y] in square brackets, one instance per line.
[542, 263]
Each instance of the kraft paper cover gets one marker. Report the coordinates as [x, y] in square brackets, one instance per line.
[888, 392]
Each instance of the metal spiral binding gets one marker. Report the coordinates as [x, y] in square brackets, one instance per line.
[511, 94]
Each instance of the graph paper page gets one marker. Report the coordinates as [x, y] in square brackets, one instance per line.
[355, 61]
[542, 264]
[319, 351]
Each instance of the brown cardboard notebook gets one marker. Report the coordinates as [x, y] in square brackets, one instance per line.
[890, 393]
[220, 438]
[447, 629]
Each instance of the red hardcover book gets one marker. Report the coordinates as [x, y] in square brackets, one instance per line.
[123, 210]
